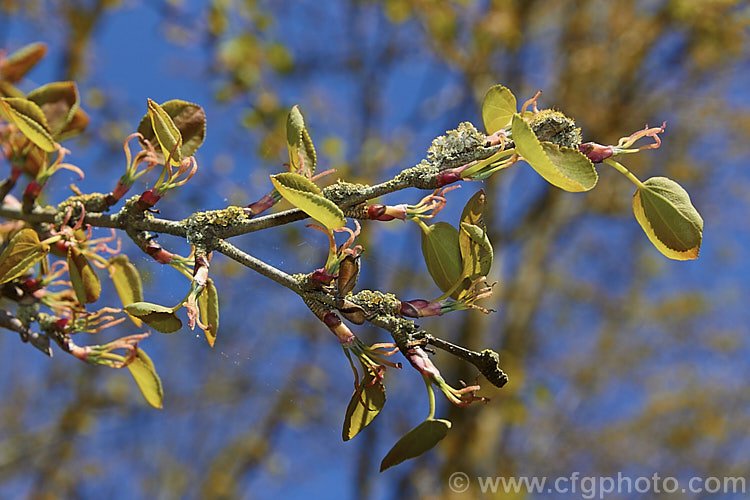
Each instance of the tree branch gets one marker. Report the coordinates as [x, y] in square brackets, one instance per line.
[257, 265]
[10, 322]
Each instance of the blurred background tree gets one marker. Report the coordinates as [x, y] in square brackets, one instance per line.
[619, 360]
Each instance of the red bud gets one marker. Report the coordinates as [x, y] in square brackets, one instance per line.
[596, 152]
[321, 277]
[448, 177]
[148, 199]
[331, 320]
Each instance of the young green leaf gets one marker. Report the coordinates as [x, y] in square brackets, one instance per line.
[295, 124]
[75, 126]
[297, 182]
[29, 119]
[167, 134]
[59, 103]
[442, 254]
[302, 157]
[85, 281]
[190, 120]
[303, 194]
[664, 211]
[307, 153]
[208, 305]
[127, 282]
[143, 371]
[160, 318]
[16, 65]
[365, 405]
[23, 251]
[498, 108]
[415, 442]
[562, 167]
[476, 251]
[472, 212]
[9, 90]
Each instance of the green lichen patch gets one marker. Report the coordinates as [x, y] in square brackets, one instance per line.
[201, 227]
[93, 202]
[455, 143]
[552, 126]
[373, 301]
[342, 191]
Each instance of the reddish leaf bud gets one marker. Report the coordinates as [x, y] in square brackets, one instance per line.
[158, 253]
[321, 277]
[419, 308]
[30, 194]
[60, 248]
[117, 193]
[331, 320]
[448, 177]
[596, 152]
[377, 212]
[33, 189]
[148, 199]
[419, 360]
[410, 308]
[31, 285]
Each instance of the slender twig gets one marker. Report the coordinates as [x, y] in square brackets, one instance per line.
[10, 322]
[115, 221]
[487, 361]
[258, 265]
[295, 214]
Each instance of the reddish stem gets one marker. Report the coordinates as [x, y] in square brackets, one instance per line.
[261, 205]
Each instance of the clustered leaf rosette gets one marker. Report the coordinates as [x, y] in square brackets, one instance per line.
[430, 432]
[147, 156]
[202, 302]
[33, 125]
[81, 250]
[459, 260]
[302, 163]
[179, 128]
[423, 364]
[421, 308]
[62, 330]
[427, 208]
[336, 254]
[134, 358]
[73, 322]
[369, 391]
